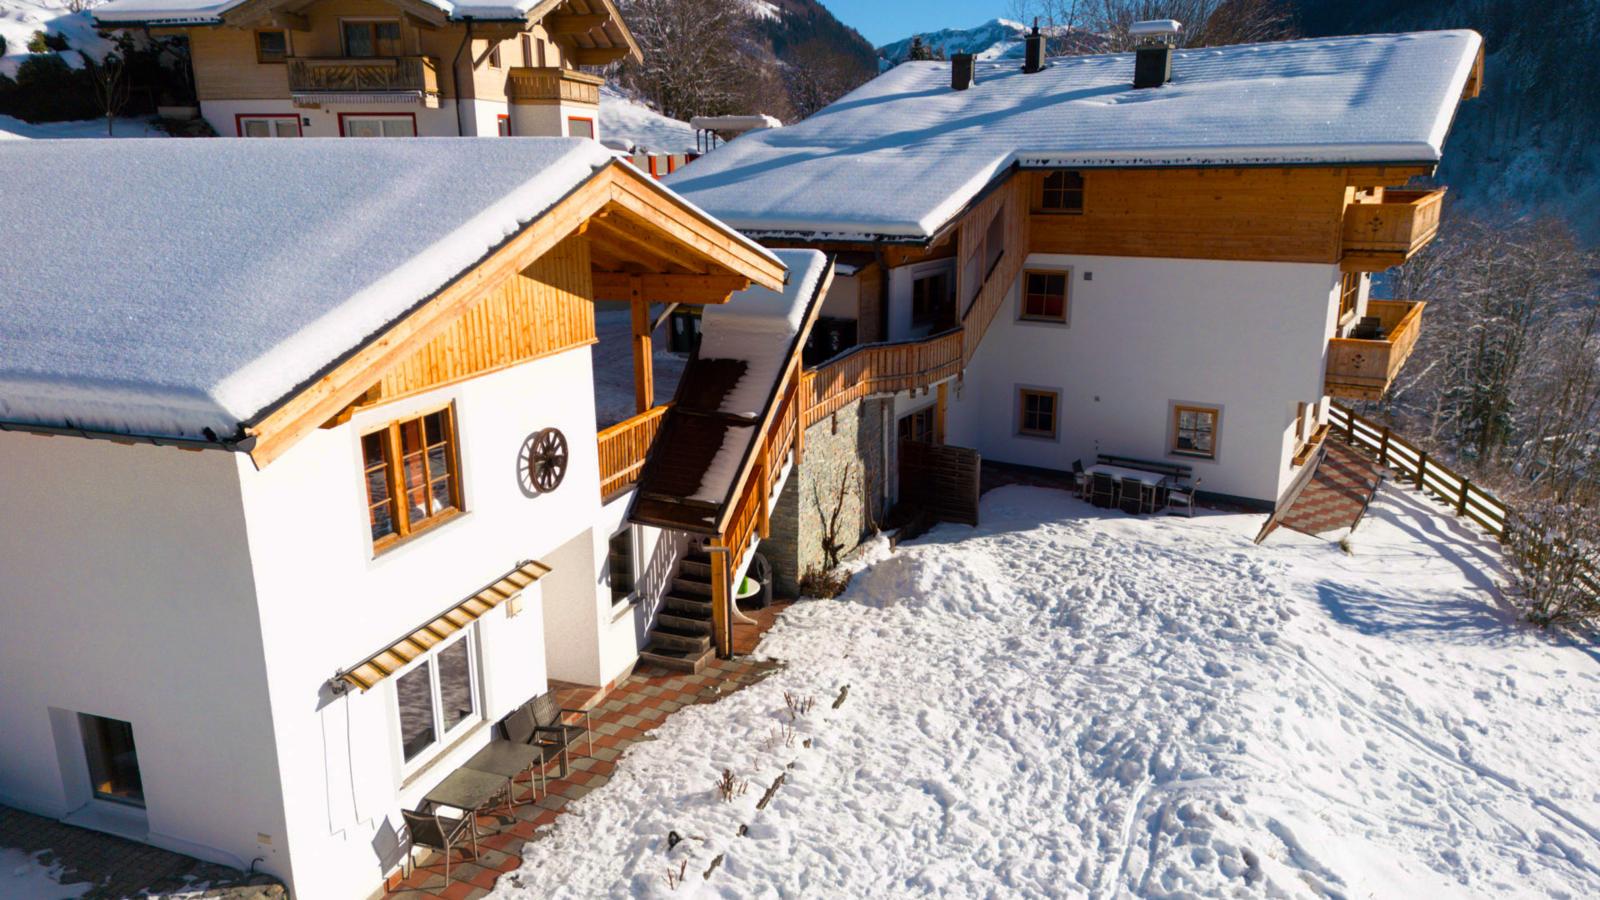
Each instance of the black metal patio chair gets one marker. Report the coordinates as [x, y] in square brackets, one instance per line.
[441, 833]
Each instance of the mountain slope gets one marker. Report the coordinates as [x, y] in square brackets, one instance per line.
[994, 39]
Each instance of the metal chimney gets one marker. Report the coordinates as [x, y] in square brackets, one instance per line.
[1153, 43]
[1033, 59]
[960, 71]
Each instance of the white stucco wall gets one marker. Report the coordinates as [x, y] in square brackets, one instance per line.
[550, 119]
[843, 300]
[327, 603]
[324, 122]
[128, 593]
[900, 284]
[1144, 334]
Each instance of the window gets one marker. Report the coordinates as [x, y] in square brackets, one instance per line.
[1036, 414]
[1062, 193]
[494, 57]
[917, 426]
[932, 300]
[268, 126]
[578, 126]
[425, 488]
[113, 762]
[540, 45]
[1044, 296]
[619, 563]
[1349, 294]
[272, 46]
[363, 125]
[1194, 431]
[527, 49]
[502, 124]
[436, 697]
[380, 37]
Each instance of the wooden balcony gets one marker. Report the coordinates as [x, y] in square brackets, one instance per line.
[1389, 230]
[548, 84]
[405, 79]
[624, 447]
[1363, 369]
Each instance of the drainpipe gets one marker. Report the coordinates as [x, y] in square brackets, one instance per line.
[455, 72]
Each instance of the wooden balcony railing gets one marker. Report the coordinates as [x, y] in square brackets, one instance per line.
[548, 84]
[1361, 369]
[879, 369]
[362, 75]
[1389, 232]
[624, 448]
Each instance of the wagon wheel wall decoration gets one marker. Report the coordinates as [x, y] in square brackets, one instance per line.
[543, 461]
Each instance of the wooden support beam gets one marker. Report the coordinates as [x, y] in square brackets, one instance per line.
[763, 514]
[644, 385]
[597, 56]
[721, 598]
[574, 23]
[633, 234]
[290, 20]
[660, 288]
[939, 412]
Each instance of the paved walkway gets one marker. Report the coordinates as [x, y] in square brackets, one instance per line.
[621, 718]
[1338, 493]
[122, 868]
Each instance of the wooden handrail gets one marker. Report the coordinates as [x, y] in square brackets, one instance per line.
[624, 448]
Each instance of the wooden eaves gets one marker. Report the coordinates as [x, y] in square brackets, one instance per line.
[614, 191]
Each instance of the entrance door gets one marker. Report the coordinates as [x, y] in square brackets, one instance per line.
[113, 762]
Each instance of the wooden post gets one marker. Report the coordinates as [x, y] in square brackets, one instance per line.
[1461, 503]
[644, 384]
[938, 413]
[1383, 448]
[1422, 466]
[721, 598]
[763, 515]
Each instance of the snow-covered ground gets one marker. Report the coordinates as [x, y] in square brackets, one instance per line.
[613, 365]
[1070, 702]
[19, 19]
[24, 877]
[124, 127]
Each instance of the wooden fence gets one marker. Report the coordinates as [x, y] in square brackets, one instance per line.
[1420, 470]
[943, 480]
[624, 448]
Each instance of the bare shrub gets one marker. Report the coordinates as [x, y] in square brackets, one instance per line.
[797, 705]
[1550, 543]
[824, 584]
[676, 878]
[729, 787]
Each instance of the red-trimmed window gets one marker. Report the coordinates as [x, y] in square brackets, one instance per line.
[578, 126]
[267, 125]
[503, 124]
[1044, 296]
[377, 124]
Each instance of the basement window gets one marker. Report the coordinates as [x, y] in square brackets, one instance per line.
[619, 565]
[578, 126]
[113, 762]
[1062, 192]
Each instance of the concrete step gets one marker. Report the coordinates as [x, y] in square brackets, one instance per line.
[677, 660]
[688, 587]
[684, 624]
[673, 640]
[698, 570]
[693, 607]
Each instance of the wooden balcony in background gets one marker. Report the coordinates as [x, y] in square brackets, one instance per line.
[548, 84]
[1364, 369]
[1390, 230]
[407, 78]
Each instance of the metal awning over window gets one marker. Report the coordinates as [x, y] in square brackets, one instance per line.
[404, 98]
[394, 657]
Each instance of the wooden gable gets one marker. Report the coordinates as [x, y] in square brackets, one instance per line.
[531, 297]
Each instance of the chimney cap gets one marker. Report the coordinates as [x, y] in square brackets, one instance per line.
[1156, 31]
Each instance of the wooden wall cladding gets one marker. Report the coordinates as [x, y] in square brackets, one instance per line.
[541, 311]
[1277, 215]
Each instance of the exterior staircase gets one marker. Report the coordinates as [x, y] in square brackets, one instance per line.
[681, 638]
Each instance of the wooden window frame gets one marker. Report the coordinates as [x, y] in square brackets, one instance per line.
[1178, 409]
[526, 43]
[1023, 393]
[240, 118]
[1353, 292]
[1045, 190]
[495, 62]
[1066, 298]
[394, 458]
[286, 50]
[629, 536]
[372, 22]
[926, 413]
[594, 132]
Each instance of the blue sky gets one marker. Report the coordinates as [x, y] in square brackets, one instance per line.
[883, 21]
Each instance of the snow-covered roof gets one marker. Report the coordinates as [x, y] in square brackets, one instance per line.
[627, 122]
[756, 326]
[166, 287]
[209, 12]
[904, 153]
[735, 124]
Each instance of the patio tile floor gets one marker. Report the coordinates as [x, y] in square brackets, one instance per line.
[619, 719]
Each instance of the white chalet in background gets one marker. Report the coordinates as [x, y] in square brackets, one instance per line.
[276, 558]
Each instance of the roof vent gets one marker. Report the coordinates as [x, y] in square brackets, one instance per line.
[1153, 43]
[1033, 59]
[960, 71]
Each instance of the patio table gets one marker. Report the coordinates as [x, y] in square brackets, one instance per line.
[1125, 474]
[508, 759]
[466, 789]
